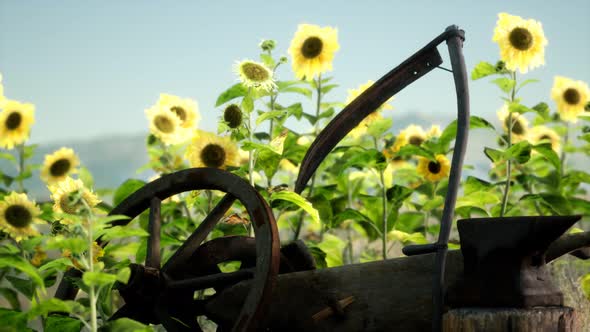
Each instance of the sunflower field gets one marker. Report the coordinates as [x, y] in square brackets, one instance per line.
[377, 191]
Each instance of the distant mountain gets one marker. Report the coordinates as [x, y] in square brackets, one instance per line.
[111, 160]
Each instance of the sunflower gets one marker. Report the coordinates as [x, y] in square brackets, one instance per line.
[209, 150]
[434, 170]
[361, 128]
[434, 131]
[522, 42]
[415, 134]
[166, 125]
[571, 97]
[254, 75]
[186, 109]
[540, 134]
[519, 123]
[312, 50]
[16, 120]
[58, 165]
[17, 216]
[232, 115]
[68, 195]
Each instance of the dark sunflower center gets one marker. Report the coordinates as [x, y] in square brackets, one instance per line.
[434, 167]
[180, 112]
[213, 155]
[416, 140]
[60, 167]
[164, 124]
[312, 47]
[18, 216]
[545, 137]
[521, 39]
[254, 72]
[517, 127]
[571, 96]
[233, 116]
[13, 121]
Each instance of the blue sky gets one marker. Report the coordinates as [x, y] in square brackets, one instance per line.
[92, 68]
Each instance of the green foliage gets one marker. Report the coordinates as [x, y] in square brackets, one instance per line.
[127, 188]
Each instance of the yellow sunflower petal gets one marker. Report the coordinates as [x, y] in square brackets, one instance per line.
[434, 170]
[166, 125]
[522, 42]
[61, 193]
[209, 150]
[570, 96]
[312, 50]
[58, 165]
[16, 120]
[17, 216]
[186, 109]
[520, 124]
[543, 134]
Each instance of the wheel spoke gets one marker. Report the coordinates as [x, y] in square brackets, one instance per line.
[211, 281]
[191, 244]
[153, 246]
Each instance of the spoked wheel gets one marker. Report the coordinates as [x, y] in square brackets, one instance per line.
[165, 294]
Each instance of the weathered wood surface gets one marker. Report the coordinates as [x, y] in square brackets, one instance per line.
[539, 319]
[388, 295]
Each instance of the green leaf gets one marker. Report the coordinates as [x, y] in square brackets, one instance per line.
[290, 87]
[546, 151]
[319, 256]
[433, 203]
[493, 154]
[519, 152]
[411, 150]
[24, 286]
[482, 69]
[60, 264]
[269, 115]
[409, 221]
[29, 151]
[505, 84]
[8, 156]
[332, 246]
[247, 104]
[23, 266]
[557, 203]
[267, 60]
[478, 199]
[76, 245]
[295, 109]
[379, 127]
[585, 137]
[269, 162]
[98, 278]
[324, 208]
[86, 177]
[54, 305]
[62, 324]
[406, 238]
[361, 158]
[11, 296]
[473, 184]
[11, 320]
[450, 132]
[398, 194]
[350, 214]
[118, 232]
[123, 275]
[328, 88]
[519, 108]
[126, 325]
[327, 113]
[235, 91]
[292, 197]
[249, 146]
[127, 188]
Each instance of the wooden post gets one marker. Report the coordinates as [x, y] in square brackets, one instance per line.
[537, 319]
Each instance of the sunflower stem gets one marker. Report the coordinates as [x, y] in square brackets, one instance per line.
[566, 140]
[313, 177]
[509, 161]
[385, 227]
[92, 291]
[21, 166]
